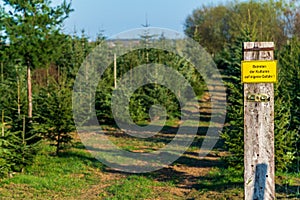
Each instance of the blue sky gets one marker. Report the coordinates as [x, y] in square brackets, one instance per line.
[115, 16]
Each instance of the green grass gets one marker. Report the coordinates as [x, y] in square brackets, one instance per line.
[222, 179]
[70, 175]
[75, 174]
[66, 174]
[131, 188]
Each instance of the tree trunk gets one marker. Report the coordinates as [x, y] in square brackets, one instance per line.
[3, 124]
[29, 92]
[2, 75]
[23, 142]
[58, 144]
[19, 96]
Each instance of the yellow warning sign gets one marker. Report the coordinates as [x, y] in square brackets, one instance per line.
[259, 71]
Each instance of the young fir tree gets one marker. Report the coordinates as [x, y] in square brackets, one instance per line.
[23, 143]
[19, 140]
[5, 165]
[289, 92]
[54, 106]
[230, 60]
[10, 92]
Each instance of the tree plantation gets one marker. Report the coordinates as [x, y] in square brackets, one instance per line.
[39, 65]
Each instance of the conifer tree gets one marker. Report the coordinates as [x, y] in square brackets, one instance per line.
[19, 140]
[23, 143]
[230, 60]
[30, 26]
[289, 92]
[54, 106]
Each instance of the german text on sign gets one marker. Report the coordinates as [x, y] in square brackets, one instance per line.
[259, 71]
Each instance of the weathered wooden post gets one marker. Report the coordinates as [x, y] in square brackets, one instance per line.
[115, 71]
[258, 75]
[3, 124]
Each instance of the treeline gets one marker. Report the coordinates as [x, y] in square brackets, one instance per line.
[216, 27]
[222, 30]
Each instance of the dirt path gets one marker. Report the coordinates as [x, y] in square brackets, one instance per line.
[186, 171]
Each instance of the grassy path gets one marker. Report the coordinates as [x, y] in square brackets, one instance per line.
[75, 174]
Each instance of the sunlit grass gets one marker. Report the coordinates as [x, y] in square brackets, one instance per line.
[73, 173]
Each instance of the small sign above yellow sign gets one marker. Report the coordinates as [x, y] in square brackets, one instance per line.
[259, 71]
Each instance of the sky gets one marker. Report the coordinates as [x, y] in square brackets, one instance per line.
[115, 16]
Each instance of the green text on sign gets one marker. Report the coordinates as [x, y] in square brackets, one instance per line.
[259, 71]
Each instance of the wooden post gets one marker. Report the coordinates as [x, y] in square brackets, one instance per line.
[115, 71]
[29, 92]
[3, 125]
[2, 75]
[19, 95]
[259, 174]
[23, 141]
